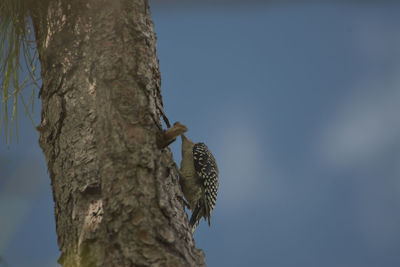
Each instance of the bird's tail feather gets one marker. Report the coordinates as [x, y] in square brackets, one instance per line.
[195, 218]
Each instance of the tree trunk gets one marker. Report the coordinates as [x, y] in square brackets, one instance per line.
[117, 198]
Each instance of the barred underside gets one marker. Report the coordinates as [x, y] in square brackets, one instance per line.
[207, 171]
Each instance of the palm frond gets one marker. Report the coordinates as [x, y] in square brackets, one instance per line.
[16, 46]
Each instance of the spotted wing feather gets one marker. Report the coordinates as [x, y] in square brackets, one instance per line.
[207, 171]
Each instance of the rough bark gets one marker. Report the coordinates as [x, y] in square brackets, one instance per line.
[117, 199]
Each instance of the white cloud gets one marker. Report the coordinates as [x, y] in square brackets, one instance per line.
[365, 126]
[239, 160]
[246, 173]
[363, 131]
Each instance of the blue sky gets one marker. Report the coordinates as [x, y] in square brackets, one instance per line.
[298, 102]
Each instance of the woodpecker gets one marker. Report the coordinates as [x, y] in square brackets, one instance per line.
[199, 180]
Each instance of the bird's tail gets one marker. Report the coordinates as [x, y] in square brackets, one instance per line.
[195, 218]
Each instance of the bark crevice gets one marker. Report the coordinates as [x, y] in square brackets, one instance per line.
[117, 197]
